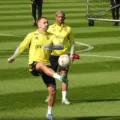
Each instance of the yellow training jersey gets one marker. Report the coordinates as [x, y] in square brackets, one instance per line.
[65, 36]
[35, 41]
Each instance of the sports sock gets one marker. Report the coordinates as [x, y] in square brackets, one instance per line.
[64, 94]
[49, 110]
[56, 76]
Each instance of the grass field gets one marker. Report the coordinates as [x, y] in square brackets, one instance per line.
[94, 87]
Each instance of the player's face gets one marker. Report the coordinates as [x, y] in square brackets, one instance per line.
[60, 18]
[43, 24]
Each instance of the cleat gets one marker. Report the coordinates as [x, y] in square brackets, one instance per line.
[64, 79]
[50, 117]
[65, 102]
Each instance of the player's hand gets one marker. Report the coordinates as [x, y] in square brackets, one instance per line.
[10, 60]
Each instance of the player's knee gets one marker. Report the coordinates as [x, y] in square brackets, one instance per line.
[40, 65]
[52, 90]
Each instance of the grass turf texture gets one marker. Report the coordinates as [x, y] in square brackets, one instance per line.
[94, 79]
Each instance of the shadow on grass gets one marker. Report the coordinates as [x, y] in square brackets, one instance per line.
[14, 73]
[98, 34]
[99, 93]
[106, 47]
[95, 67]
[22, 100]
[78, 118]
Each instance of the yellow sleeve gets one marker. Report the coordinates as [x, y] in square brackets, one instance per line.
[24, 44]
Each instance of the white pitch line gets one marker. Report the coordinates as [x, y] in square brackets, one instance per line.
[116, 57]
[88, 49]
[10, 35]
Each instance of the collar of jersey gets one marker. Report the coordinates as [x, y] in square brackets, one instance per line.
[37, 31]
[59, 27]
[62, 25]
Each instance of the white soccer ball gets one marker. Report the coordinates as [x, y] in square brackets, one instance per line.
[64, 60]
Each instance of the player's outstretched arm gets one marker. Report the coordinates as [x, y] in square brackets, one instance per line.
[54, 47]
[24, 44]
[12, 58]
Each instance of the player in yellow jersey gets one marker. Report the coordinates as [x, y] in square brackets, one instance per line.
[65, 36]
[40, 43]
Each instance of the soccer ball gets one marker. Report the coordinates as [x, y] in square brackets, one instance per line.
[64, 60]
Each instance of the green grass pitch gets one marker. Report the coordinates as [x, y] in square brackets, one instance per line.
[94, 87]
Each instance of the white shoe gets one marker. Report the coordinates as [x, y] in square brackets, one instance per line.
[46, 100]
[50, 117]
[65, 101]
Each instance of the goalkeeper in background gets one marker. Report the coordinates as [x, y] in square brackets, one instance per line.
[115, 5]
[65, 35]
[36, 5]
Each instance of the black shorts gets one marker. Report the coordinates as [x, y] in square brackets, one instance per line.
[38, 2]
[46, 79]
[55, 65]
